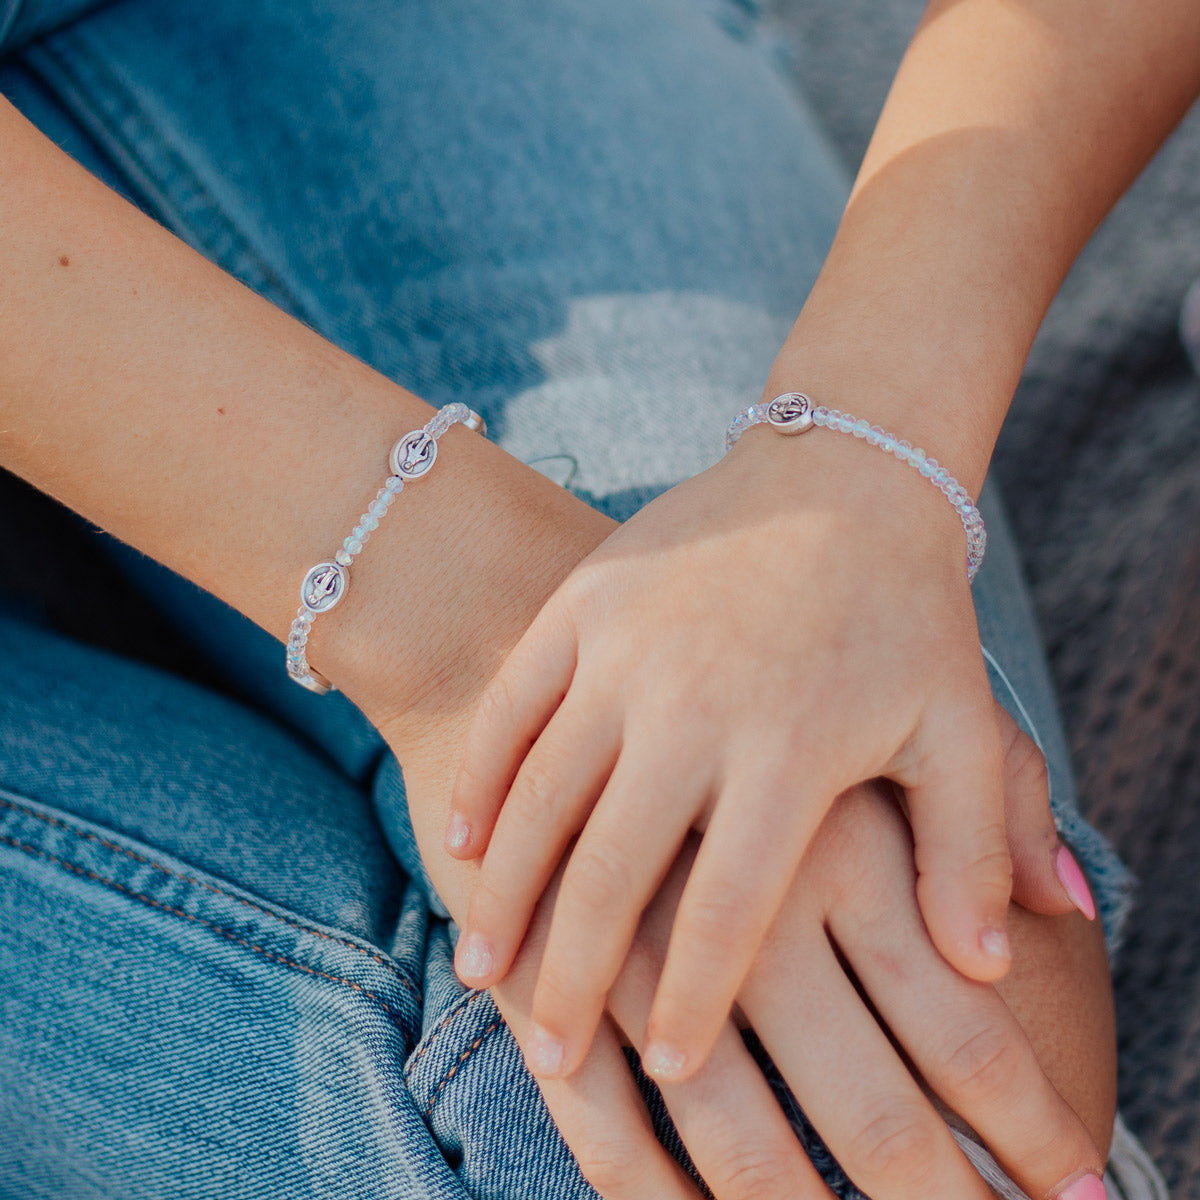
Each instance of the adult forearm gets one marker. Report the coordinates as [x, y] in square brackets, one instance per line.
[1010, 131]
[154, 394]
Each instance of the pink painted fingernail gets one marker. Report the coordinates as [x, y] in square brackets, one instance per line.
[661, 1061]
[458, 834]
[1074, 882]
[474, 959]
[1086, 1187]
[544, 1053]
[994, 943]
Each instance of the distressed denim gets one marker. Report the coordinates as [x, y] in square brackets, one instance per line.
[222, 970]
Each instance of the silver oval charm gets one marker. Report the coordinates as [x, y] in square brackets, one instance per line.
[413, 455]
[323, 586]
[790, 413]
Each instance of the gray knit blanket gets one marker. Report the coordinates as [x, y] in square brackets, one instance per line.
[1100, 465]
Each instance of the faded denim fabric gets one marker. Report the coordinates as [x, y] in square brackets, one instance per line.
[221, 971]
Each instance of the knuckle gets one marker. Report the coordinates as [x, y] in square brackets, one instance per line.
[899, 1144]
[535, 792]
[599, 877]
[982, 865]
[985, 1068]
[612, 1165]
[496, 705]
[992, 866]
[754, 1171]
[713, 918]
[473, 789]
[557, 1003]
[1025, 770]
[488, 901]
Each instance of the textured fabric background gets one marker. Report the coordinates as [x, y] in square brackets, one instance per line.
[1100, 463]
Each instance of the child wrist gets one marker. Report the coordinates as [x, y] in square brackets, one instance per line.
[325, 583]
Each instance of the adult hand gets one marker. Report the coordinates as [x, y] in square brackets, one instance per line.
[850, 920]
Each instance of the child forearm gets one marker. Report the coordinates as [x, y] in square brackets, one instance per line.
[151, 392]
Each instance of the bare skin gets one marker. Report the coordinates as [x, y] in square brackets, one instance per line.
[1012, 127]
[168, 404]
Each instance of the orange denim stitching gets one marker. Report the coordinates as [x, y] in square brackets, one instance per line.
[461, 1006]
[76, 869]
[148, 862]
[462, 1058]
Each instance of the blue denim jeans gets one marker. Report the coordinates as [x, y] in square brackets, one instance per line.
[222, 971]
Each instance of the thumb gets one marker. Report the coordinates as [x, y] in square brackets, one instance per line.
[1046, 877]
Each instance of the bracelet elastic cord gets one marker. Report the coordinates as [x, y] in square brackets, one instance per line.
[326, 583]
[794, 412]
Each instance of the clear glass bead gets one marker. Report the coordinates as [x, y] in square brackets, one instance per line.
[342, 557]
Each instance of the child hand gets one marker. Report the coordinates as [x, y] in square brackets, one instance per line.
[751, 644]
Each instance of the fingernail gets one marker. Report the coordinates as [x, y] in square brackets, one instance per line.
[474, 959]
[994, 943]
[1086, 1187]
[1071, 876]
[458, 834]
[544, 1054]
[661, 1061]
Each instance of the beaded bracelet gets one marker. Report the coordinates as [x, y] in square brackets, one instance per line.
[794, 412]
[326, 583]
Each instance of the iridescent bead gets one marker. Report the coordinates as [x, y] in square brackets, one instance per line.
[343, 557]
[352, 545]
[861, 429]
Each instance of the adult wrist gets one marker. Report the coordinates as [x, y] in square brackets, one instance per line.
[954, 415]
[792, 414]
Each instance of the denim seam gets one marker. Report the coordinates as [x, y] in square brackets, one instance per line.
[427, 1041]
[56, 68]
[462, 1058]
[86, 835]
[85, 873]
